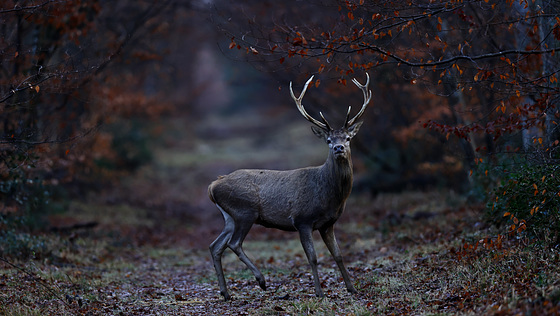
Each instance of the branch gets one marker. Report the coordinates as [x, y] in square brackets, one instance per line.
[458, 57]
[23, 86]
[49, 141]
[28, 8]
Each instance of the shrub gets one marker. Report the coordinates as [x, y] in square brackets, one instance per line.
[20, 244]
[528, 200]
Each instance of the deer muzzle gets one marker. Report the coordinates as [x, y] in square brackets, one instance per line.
[339, 151]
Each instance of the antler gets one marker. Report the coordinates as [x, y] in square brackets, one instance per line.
[367, 98]
[324, 125]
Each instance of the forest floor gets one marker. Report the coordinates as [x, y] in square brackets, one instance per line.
[146, 253]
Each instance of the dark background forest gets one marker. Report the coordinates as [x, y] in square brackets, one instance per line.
[116, 115]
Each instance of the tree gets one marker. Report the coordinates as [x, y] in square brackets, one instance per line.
[69, 70]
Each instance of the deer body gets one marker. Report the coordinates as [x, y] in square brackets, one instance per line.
[283, 199]
[301, 200]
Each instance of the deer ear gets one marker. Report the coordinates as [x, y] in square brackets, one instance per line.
[353, 130]
[321, 133]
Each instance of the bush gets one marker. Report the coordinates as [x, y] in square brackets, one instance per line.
[25, 202]
[528, 200]
[20, 244]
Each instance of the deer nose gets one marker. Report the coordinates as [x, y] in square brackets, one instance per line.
[338, 149]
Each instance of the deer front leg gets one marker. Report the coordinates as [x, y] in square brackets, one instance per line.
[306, 237]
[330, 240]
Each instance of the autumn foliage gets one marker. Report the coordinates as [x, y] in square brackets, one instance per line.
[70, 92]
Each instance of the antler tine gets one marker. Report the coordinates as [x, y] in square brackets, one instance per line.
[367, 97]
[347, 116]
[301, 109]
[325, 120]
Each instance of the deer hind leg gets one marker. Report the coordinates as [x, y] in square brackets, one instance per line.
[242, 227]
[306, 237]
[330, 240]
[217, 249]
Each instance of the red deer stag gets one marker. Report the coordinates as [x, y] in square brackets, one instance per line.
[301, 200]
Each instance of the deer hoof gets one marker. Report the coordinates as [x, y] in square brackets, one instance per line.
[226, 295]
[352, 291]
[320, 294]
[262, 284]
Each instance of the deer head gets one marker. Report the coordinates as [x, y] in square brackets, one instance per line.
[337, 139]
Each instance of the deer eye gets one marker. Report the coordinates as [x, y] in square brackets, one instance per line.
[347, 138]
[329, 141]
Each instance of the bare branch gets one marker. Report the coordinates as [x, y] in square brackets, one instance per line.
[29, 8]
[25, 85]
[458, 57]
[50, 141]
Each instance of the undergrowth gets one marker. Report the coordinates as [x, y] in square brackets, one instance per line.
[522, 191]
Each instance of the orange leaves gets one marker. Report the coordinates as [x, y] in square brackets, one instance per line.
[458, 69]
[507, 60]
[233, 44]
[440, 21]
[556, 29]
[317, 83]
[536, 189]
[518, 225]
[534, 210]
[538, 140]
[299, 40]
[501, 107]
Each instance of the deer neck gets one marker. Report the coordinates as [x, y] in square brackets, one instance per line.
[338, 173]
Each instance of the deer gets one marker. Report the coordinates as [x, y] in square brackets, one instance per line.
[300, 200]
